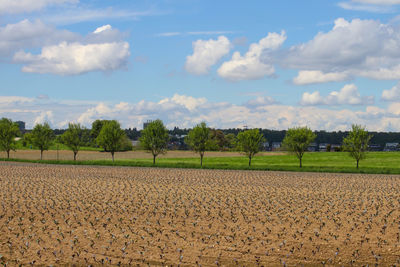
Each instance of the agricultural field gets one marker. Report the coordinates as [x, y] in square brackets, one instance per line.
[62, 214]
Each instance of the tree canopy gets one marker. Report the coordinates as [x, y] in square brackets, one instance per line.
[154, 138]
[42, 136]
[8, 131]
[73, 137]
[356, 143]
[297, 141]
[198, 139]
[250, 142]
[111, 137]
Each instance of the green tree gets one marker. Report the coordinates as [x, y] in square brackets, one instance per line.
[297, 140]
[250, 142]
[96, 128]
[42, 137]
[218, 138]
[8, 131]
[198, 139]
[356, 143]
[230, 141]
[73, 137]
[154, 138]
[111, 137]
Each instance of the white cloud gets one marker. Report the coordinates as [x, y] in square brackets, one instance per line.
[260, 101]
[10, 100]
[315, 76]
[366, 7]
[186, 111]
[392, 94]
[348, 95]
[168, 34]
[250, 66]
[27, 34]
[44, 116]
[103, 28]
[206, 54]
[78, 15]
[188, 102]
[379, 2]
[75, 58]
[23, 6]
[364, 48]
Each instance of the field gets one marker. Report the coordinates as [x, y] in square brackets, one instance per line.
[376, 162]
[61, 214]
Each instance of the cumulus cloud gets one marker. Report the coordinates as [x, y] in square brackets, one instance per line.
[63, 52]
[315, 76]
[24, 6]
[44, 116]
[251, 66]
[206, 54]
[364, 48]
[188, 102]
[75, 58]
[348, 95]
[392, 94]
[186, 111]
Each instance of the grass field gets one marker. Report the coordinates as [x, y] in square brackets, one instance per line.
[376, 162]
[86, 215]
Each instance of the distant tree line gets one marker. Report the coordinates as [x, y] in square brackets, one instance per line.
[155, 138]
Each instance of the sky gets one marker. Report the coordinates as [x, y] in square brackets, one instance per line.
[325, 64]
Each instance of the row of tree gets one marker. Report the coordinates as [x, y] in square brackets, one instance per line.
[154, 138]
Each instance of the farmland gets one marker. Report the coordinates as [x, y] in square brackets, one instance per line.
[61, 214]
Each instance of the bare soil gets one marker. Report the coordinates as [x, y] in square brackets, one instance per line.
[51, 214]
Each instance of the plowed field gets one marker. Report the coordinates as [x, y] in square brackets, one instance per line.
[52, 214]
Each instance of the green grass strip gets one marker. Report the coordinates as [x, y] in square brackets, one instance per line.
[338, 162]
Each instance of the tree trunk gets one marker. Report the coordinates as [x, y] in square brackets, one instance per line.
[154, 159]
[357, 163]
[201, 160]
[301, 165]
[8, 154]
[75, 155]
[112, 155]
[249, 161]
[41, 154]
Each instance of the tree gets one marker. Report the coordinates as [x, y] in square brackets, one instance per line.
[198, 139]
[111, 137]
[230, 140]
[218, 137]
[356, 143]
[73, 137]
[8, 131]
[42, 137]
[96, 128]
[250, 142]
[155, 138]
[297, 140]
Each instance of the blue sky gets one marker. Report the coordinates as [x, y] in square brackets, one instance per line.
[270, 64]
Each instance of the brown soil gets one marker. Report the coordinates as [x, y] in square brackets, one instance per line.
[82, 215]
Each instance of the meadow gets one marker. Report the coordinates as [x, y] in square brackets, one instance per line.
[376, 162]
[96, 215]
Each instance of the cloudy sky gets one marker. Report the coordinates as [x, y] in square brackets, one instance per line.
[273, 64]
